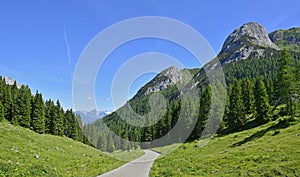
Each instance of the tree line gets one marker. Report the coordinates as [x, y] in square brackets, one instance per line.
[20, 107]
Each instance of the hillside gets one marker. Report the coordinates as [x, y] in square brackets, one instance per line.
[272, 149]
[249, 55]
[26, 153]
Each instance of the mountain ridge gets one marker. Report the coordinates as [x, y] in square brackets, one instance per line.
[250, 58]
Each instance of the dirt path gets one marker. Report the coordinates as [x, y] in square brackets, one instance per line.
[139, 167]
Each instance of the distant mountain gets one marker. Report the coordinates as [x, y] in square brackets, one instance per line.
[91, 116]
[11, 81]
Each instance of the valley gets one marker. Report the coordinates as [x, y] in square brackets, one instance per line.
[252, 130]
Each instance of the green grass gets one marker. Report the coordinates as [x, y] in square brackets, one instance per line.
[25, 153]
[272, 149]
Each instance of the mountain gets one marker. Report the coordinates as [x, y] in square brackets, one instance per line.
[251, 39]
[88, 117]
[289, 39]
[11, 81]
[249, 52]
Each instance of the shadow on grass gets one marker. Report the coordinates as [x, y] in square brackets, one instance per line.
[280, 125]
[249, 125]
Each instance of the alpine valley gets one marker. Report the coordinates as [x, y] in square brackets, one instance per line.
[251, 118]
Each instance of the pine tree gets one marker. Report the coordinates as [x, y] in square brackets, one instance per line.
[262, 106]
[235, 116]
[7, 103]
[14, 106]
[57, 117]
[2, 88]
[286, 83]
[1, 111]
[71, 128]
[53, 117]
[22, 107]
[205, 104]
[270, 90]
[61, 114]
[38, 114]
[49, 108]
[247, 96]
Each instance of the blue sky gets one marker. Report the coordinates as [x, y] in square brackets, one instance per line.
[42, 40]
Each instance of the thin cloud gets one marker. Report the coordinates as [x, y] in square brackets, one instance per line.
[67, 45]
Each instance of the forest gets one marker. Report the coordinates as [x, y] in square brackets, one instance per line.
[20, 107]
[256, 87]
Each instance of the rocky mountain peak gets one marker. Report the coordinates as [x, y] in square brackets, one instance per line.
[249, 39]
[253, 33]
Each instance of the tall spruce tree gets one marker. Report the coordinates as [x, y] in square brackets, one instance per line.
[22, 107]
[205, 104]
[262, 105]
[235, 115]
[247, 96]
[285, 86]
[58, 120]
[7, 103]
[38, 114]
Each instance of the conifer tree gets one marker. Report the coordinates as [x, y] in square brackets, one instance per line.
[7, 103]
[286, 83]
[235, 116]
[262, 106]
[56, 119]
[49, 106]
[205, 104]
[38, 114]
[247, 96]
[22, 107]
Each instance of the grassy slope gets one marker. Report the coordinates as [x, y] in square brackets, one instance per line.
[268, 150]
[25, 153]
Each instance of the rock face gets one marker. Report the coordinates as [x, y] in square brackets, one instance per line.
[249, 39]
[289, 39]
[163, 80]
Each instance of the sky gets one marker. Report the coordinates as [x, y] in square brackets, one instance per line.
[42, 41]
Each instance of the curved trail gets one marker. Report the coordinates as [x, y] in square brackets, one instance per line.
[139, 167]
